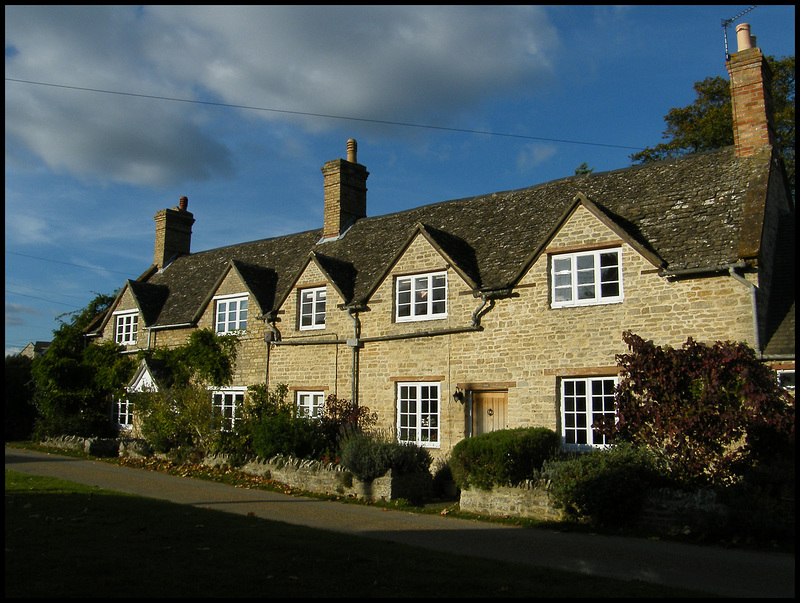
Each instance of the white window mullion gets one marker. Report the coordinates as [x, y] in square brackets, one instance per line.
[421, 297]
[126, 325]
[312, 308]
[586, 278]
[310, 404]
[418, 413]
[583, 402]
[230, 314]
[228, 403]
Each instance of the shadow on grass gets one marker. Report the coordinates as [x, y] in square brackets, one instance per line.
[68, 540]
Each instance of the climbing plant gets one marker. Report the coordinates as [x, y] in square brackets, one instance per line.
[712, 412]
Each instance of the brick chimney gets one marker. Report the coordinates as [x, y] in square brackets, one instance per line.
[751, 80]
[345, 184]
[173, 233]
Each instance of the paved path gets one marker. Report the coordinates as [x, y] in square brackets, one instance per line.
[726, 572]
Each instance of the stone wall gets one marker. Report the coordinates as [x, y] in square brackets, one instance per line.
[94, 446]
[332, 479]
[522, 501]
[664, 511]
[524, 349]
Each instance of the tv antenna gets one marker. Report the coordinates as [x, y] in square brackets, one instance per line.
[725, 23]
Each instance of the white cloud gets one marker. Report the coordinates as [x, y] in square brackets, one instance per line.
[14, 314]
[533, 155]
[391, 63]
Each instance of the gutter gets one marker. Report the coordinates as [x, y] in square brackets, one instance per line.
[710, 270]
[356, 341]
[178, 326]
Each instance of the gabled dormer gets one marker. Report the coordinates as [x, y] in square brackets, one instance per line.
[584, 255]
[135, 308]
[418, 279]
[237, 298]
[310, 302]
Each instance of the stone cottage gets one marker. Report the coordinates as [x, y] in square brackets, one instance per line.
[496, 311]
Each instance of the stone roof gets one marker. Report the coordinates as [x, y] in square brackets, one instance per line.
[696, 212]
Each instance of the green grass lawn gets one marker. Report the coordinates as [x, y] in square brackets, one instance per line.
[68, 540]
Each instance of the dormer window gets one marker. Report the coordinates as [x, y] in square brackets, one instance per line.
[421, 297]
[126, 325]
[586, 278]
[230, 314]
[312, 308]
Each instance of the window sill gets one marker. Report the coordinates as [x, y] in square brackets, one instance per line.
[587, 304]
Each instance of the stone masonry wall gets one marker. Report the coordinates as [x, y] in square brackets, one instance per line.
[524, 348]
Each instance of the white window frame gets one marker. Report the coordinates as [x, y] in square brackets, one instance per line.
[126, 327]
[582, 401]
[573, 282]
[421, 297]
[228, 324]
[123, 413]
[309, 305]
[786, 379]
[310, 404]
[228, 402]
[419, 413]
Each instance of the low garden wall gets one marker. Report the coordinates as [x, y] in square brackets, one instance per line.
[332, 479]
[312, 476]
[525, 500]
[664, 510]
[93, 446]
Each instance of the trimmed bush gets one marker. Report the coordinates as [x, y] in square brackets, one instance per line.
[504, 457]
[369, 456]
[604, 486]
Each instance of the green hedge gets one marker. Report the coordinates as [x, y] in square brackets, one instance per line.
[604, 486]
[369, 456]
[505, 457]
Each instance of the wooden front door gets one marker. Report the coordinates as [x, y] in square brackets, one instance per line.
[489, 412]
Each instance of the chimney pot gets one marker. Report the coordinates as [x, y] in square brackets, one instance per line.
[183, 203]
[352, 151]
[743, 37]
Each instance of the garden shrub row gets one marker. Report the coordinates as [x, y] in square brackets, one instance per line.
[604, 486]
[372, 455]
[500, 458]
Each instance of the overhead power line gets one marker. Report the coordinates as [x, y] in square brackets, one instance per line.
[33, 257]
[323, 115]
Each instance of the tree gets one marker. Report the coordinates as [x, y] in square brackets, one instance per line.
[20, 412]
[74, 382]
[713, 412]
[707, 123]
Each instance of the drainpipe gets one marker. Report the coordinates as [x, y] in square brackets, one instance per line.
[354, 344]
[754, 300]
[269, 339]
[476, 314]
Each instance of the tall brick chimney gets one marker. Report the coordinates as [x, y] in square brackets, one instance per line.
[173, 233]
[345, 184]
[751, 80]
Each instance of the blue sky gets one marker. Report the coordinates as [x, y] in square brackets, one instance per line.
[115, 112]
